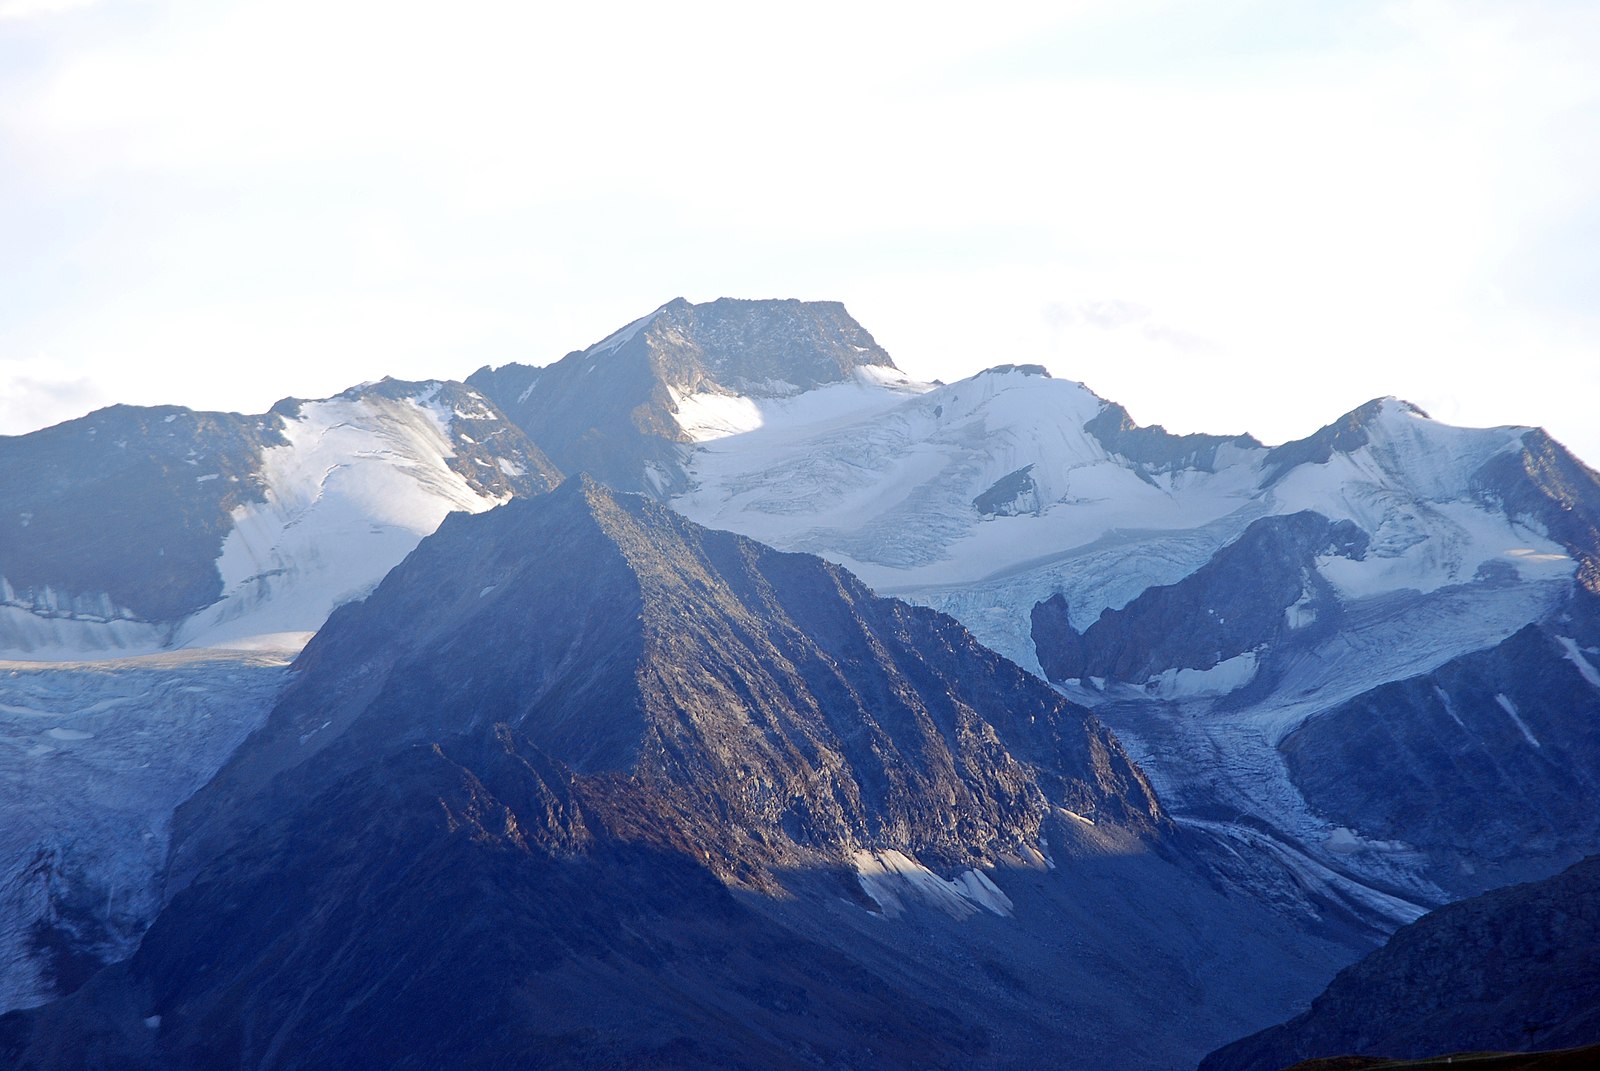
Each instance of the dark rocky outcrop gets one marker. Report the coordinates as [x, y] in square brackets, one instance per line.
[1010, 495]
[130, 503]
[1516, 969]
[609, 410]
[1154, 450]
[1020, 369]
[1236, 602]
[1344, 436]
[1585, 1058]
[1417, 760]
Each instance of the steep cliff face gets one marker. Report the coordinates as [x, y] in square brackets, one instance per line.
[614, 410]
[583, 783]
[1512, 970]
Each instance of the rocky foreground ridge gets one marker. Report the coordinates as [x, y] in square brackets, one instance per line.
[625, 790]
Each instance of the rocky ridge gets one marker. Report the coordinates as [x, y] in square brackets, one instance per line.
[660, 794]
[1512, 970]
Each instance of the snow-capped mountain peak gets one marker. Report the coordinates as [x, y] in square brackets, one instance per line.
[613, 409]
[259, 524]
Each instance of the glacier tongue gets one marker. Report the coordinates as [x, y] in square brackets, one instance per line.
[94, 758]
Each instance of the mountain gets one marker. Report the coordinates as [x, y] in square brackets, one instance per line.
[133, 529]
[1223, 605]
[626, 409]
[974, 490]
[145, 539]
[1359, 671]
[1512, 970]
[585, 784]
[1416, 651]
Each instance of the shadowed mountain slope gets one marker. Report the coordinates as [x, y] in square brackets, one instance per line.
[584, 784]
[1513, 970]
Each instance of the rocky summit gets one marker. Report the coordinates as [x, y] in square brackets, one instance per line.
[613, 410]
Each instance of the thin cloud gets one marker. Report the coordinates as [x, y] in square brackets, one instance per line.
[11, 10]
[29, 401]
[1118, 315]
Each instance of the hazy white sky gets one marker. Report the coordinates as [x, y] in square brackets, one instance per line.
[1228, 216]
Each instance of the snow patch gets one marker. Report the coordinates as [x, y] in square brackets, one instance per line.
[620, 336]
[1424, 546]
[1226, 676]
[1343, 840]
[358, 483]
[1511, 709]
[707, 416]
[893, 879]
[1584, 666]
[1300, 614]
[1449, 707]
[657, 477]
[441, 415]
[879, 475]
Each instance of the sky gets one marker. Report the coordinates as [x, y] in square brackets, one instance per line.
[1228, 216]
